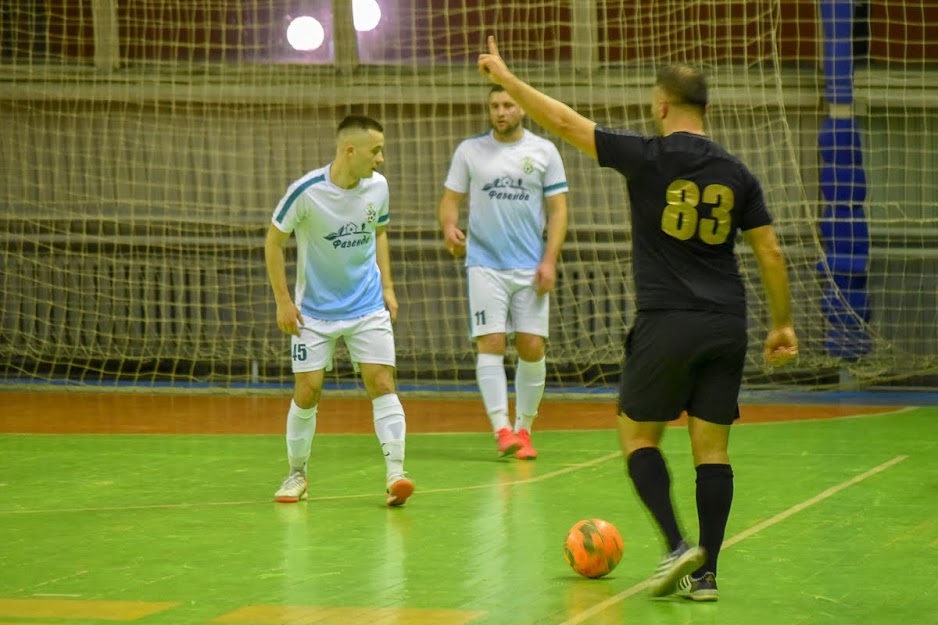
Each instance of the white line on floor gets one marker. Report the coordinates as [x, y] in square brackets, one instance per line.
[587, 614]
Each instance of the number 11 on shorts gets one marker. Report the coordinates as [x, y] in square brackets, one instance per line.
[480, 317]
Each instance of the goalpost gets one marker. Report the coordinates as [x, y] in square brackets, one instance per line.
[145, 145]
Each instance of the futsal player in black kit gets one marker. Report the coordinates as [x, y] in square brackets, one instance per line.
[687, 347]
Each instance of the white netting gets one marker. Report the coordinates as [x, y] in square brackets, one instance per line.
[146, 143]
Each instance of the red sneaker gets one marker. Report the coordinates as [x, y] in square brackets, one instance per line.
[400, 489]
[527, 451]
[508, 442]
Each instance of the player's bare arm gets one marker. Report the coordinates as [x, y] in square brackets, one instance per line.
[289, 318]
[453, 238]
[546, 276]
[553, 115]
[781, 346]
[383, 259]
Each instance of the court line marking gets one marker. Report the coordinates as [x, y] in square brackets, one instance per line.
[540, 478]
[603, 605]
[866, 415]
[738, 538]
[740, 423]
[455, 489]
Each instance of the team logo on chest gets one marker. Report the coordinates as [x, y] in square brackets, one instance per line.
[527, 165]
[352, 234]
[506, 188]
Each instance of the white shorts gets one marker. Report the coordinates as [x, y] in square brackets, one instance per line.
[369, 339]
[506, 301]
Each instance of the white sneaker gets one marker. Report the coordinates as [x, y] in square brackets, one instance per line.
[293, 488]
[400, 488]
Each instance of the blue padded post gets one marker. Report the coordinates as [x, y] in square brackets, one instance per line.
[837, 20]
[842, 225]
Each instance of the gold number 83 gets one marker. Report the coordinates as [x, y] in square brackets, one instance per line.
[681, 220]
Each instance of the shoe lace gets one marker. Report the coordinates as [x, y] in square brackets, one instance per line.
[294, 480]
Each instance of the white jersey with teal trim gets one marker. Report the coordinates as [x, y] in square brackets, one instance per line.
[506, 184]
[337, 275]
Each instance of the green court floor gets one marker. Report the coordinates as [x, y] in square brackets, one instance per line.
[834, 522]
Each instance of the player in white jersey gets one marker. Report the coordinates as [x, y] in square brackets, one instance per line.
[516, 184]
[339, 214]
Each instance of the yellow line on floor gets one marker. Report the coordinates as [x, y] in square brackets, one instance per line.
[33, 623]
[310, 615]
[76, 608]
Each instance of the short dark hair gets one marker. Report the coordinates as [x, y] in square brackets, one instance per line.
[361, 122]
[684, 84]
[496, 89]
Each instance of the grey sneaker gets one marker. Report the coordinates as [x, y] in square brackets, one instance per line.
[703, 588]
[684, 560]
[293, 488]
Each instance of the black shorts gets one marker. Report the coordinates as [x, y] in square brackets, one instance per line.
[683, 360]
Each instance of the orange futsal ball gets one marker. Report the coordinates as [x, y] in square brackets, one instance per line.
[593, 547]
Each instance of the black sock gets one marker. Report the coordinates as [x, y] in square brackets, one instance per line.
[714, 498]
[650, 475]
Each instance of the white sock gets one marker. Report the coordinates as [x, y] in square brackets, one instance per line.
[530, 378]
[391, 428]
[301, 427]
[493, 385]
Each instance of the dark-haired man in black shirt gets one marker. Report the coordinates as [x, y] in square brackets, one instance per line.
[687, 347]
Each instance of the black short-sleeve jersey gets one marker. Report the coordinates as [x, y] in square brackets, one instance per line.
[689, 198]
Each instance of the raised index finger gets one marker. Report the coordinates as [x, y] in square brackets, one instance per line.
[493, 49]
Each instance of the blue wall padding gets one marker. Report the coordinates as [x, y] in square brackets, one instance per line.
[848, 344]
[836, 312]
[844, 230]
[839, 142]
[847, 308]
[846, 264]
[851, 291]
[843, 185]
[837, 20]
[842, 226]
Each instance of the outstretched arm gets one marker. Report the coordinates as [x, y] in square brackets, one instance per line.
[551, 114]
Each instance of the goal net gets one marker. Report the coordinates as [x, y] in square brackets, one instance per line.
[146, 143]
